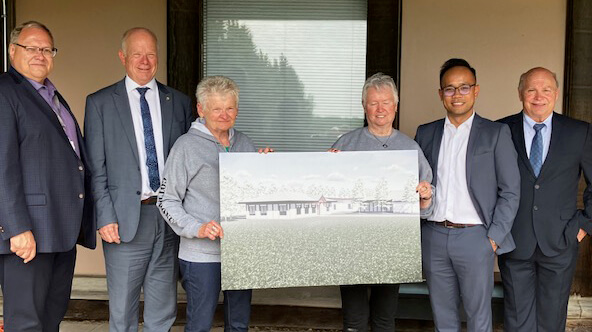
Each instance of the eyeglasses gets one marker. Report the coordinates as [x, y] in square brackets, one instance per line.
[464, 89]
[46, 51]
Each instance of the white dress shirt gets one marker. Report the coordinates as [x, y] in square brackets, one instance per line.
[529, 133]
[154, 103]
[453, 202]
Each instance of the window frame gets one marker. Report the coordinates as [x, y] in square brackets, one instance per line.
[6, 26]
[185, 40]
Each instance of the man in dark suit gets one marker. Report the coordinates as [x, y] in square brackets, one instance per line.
[477, 193]
[130, 127]
[553, 150]
[45, 201]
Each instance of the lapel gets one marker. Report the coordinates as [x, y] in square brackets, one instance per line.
[554, 145]
[517, 128]
[78, 133]
[472, 145]
[166, 113]
[438, 132]
[44, 108]
[122, 105]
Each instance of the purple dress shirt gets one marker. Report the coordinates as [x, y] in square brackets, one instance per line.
[48, 92]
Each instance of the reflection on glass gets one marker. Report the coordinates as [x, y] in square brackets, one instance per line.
[300, 79]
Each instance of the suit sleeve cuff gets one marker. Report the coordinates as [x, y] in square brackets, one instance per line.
[584, 223]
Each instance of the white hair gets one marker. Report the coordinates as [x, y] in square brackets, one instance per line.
[379, 81]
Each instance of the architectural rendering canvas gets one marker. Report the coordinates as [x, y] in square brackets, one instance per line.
[319, 218]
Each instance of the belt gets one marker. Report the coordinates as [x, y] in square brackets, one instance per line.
[149, 201]
[450, 224]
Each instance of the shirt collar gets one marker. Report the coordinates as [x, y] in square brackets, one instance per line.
[530, 122]
[467, 124]
[131, 85]
[47, 84]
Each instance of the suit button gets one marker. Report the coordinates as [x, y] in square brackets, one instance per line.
[138, 193]
[536, 186]
[80, 168]
[80, 195]
[536, 208]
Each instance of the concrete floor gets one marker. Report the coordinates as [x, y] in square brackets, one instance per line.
[104, 327]
[304, 310]
[89, 326]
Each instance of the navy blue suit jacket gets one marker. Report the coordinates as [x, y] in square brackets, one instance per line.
[44, 185]
[548, 215]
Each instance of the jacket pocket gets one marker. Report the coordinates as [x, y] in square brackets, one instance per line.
[482, 151]
[567, 213]
[35, 199]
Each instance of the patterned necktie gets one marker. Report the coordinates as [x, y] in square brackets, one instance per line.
[151, 158]
[536, 149]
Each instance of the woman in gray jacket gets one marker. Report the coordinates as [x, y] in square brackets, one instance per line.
[189, 200]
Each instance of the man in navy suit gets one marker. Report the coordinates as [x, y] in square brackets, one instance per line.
[477, 193]
[130, 127]
[553, 151]
[45, 201]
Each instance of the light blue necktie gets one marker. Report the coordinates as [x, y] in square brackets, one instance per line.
[536, 149]
[151, 158]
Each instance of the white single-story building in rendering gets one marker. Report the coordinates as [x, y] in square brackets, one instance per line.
[295, 205]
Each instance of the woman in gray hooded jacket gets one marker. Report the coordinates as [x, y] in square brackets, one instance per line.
[189, 201]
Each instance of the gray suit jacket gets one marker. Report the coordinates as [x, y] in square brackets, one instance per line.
[493, 178]
[44, 186]
[113, 152]
[548, 215]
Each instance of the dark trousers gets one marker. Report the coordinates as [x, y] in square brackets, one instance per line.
[201, 282]
[36, 294]
[376, 304]
[536, 290]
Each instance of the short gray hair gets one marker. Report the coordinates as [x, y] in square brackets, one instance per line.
[379, 81]
[524, 76]
[216, 84]
[16, 32]
[129, 32]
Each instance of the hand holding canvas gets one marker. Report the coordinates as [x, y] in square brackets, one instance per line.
[211, 230]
